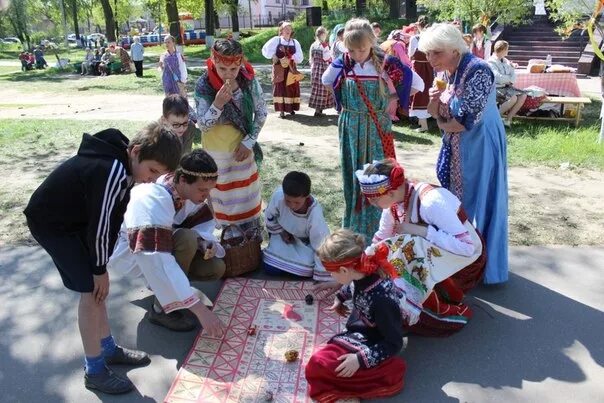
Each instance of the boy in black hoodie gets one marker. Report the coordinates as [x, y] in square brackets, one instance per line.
[76, 215]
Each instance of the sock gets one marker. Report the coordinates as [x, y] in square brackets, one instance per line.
[108, 346]
[95, 365]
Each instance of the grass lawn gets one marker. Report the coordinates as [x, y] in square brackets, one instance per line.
[540, 143]
[36, 146]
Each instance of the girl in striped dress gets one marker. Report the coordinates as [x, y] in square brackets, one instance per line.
[231, 112]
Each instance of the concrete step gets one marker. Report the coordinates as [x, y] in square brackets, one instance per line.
[544, 53]
[544, 43]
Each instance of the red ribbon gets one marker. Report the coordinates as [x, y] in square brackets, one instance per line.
[397, 177]
[367, 264]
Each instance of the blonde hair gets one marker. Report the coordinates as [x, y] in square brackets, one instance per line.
[442, 36]
[342, 244]
[383, 167]
[358, 31]
[320, 31]
[169, 38]
[284, 24]
[500, 46]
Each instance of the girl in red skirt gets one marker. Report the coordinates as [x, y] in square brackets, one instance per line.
[362, 362]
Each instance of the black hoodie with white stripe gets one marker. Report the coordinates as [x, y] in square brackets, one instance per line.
[88, 195]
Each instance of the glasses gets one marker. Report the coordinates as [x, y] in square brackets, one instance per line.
[179, 125]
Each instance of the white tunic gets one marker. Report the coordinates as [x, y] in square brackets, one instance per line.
[309, 230]
[144, 246]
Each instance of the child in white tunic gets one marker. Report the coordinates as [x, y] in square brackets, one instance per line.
[147, 241]
[295, 222]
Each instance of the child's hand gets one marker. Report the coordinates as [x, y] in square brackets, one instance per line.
[101, 287]
[210, 251]
[349, 366]
[223, 96]
[287, 237]
[331, 287]
[242, 152]
[339, 308]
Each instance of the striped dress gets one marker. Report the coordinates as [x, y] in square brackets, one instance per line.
[237, 197]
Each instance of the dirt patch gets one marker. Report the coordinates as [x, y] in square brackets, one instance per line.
[547, 206]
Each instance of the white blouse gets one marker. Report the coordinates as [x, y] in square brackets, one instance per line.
[270, 48]
[438, 209]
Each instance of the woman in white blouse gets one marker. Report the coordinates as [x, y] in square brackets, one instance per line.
[285, 52]
[509, 99]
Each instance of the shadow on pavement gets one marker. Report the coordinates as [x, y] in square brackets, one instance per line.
[525, 342]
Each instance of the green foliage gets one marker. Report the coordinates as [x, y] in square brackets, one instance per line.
[512, 12]
[571, 15]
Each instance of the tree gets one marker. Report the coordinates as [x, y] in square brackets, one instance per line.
[74, 15]
[233, 7]
[209, 9]
[360, 7]
[394, 7]
[174, 21]
[17, 16]
[109, 20]
[504, 11]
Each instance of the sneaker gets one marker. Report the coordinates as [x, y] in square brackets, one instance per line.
[126, 356]
[108, 382]
[507, 123]
[175, 321]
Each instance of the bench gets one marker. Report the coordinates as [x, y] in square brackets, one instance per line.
[578, 101]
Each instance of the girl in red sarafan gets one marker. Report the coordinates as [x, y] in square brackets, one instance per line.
[285, 53]
[361, 362]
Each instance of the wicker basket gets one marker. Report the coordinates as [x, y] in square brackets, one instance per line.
[243, 253]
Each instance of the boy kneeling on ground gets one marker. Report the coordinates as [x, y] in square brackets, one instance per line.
[75, 215]
[167, 237]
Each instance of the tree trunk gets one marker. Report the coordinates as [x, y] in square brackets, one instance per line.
[235, 21]
[109, 21]
[209, 9]
[410, 10]
[173, 21]
[216, 20]
[395, 8]
[74, 14]
[360, 7]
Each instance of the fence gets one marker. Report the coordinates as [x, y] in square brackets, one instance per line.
[257, 21]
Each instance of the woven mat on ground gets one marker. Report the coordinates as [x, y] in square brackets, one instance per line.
[240, 367]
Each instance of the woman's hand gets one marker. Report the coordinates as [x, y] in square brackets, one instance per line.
[242, 152]
[434, 94]
[223, 96]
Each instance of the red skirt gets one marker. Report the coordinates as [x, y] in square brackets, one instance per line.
[286, 98]
[326, 387]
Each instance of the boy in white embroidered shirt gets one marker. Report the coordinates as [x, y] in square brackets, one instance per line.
[295, 222]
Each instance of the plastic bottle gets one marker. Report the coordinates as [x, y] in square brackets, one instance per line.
[548, 60]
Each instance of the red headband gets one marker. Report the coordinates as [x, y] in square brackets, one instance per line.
[366, 264]
[228, 60]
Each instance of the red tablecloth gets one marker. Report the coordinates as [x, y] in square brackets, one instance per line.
[561, 84]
